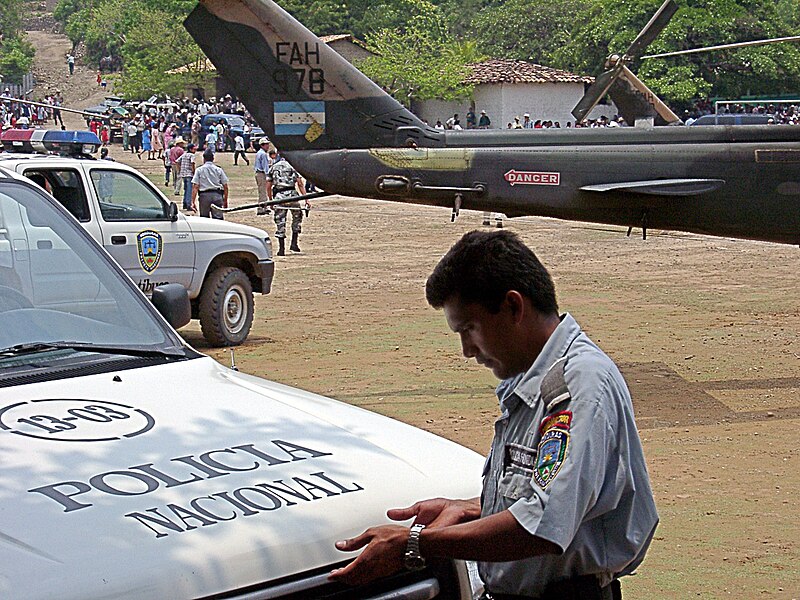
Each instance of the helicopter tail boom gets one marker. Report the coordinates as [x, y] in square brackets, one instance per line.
[300, 91]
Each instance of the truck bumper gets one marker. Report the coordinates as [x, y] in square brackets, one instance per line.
[265, 270]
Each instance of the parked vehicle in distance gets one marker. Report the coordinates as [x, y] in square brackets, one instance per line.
[235, 125]
[136, 468]
[735, 119]
[220, 263]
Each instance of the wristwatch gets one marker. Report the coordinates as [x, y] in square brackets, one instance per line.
[412, 558]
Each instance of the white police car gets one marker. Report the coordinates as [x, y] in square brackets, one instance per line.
[134, 467]
[221, 264]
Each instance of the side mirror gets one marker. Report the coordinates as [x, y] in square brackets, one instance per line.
[172, 301]
[172, 211]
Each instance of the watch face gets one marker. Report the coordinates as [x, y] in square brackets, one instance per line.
[414, 563]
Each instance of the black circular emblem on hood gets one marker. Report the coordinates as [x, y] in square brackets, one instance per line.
[74, 420]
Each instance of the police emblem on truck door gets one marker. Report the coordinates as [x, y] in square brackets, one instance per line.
[149, 244]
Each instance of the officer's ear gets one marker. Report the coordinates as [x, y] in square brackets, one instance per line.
[514, 302]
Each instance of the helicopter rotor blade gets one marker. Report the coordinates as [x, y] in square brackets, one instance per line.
[654, 27]
[634, 100]
[794, 38]
[595, 92]
[605, 80]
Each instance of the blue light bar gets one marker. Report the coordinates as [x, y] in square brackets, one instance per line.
[64, 142]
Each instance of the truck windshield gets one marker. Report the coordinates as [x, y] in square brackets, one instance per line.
[56, 286]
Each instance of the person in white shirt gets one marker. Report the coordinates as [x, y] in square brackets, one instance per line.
[239, 150]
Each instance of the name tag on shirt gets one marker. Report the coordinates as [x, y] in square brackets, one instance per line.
[520, 457]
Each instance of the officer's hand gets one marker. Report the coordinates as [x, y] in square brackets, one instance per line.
[384, 548]
[438, 512]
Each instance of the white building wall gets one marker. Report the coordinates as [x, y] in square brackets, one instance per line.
[544, 101]
[503, 101]
[430, 110]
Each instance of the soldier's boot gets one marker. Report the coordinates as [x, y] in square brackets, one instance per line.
[294, 247]
[281, 247]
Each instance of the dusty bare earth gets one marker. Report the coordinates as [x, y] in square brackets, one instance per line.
[705, 330]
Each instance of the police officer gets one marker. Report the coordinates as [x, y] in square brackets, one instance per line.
[284, 182]
[261, 167]
[566, 508]
[209, 186]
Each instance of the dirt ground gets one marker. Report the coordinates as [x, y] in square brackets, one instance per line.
[704, 329]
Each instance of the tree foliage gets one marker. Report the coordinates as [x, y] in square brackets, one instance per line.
[524, 30]
[423, 46]
[323, 17]
[16, 58]
[416, 57]
[16, 54]
[610, 26]
[147, 34]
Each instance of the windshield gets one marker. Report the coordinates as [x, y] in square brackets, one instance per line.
[56, 286]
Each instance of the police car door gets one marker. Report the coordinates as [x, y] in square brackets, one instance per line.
[137, 230]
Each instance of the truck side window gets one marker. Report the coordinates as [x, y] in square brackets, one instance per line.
[124, 197]
[65, 186]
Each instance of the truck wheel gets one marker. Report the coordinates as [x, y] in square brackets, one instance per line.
[226, 307]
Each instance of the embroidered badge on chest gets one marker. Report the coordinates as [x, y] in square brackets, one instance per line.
[552, 451]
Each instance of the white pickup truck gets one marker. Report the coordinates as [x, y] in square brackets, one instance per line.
[220, 263]
[135, 468]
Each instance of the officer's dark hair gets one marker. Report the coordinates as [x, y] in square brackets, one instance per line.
[483, 267]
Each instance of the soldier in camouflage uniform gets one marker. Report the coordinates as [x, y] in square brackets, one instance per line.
[284, 182]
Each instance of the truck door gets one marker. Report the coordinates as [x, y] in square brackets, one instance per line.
[66, 185]
[137, 230]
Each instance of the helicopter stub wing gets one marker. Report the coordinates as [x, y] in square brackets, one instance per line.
[660, 187]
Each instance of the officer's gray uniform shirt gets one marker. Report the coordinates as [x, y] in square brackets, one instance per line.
[209, 177]
[572, 473]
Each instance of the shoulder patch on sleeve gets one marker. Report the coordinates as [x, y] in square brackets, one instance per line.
[561, 419]
[551, 453]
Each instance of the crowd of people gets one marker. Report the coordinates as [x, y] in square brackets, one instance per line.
[484, 122]
[151, 128]
[780, 113]
[22, 115]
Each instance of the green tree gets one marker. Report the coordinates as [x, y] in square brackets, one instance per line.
[526, 30]
[323, 17]
[16, 54]
[16, 58]
[152, 50]
[10, 18]
[610, 26]
[418, 58]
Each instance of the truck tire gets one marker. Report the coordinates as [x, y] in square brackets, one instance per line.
[226, 307]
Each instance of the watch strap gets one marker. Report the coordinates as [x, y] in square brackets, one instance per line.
[413, 558]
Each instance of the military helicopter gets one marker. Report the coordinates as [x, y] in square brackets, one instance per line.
[342, 131]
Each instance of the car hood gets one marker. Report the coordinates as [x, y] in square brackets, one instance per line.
[189, 479]
[203, 225]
